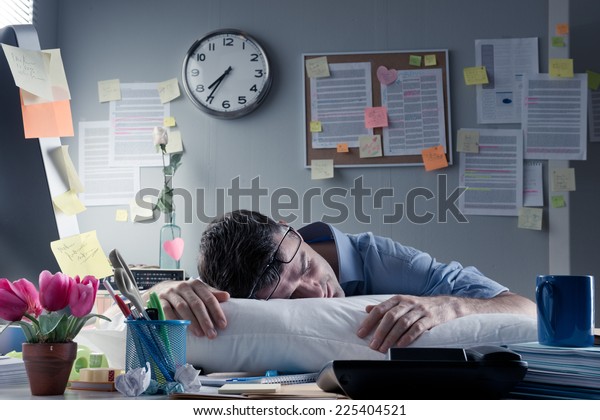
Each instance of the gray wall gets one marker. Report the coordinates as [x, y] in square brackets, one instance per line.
[145, 41]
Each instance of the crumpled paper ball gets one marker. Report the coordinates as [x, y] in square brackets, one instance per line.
[187, 376]
[134, 382]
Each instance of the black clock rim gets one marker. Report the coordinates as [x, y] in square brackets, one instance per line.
[224, 114]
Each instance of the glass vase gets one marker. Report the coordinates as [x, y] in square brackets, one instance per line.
[169, 231]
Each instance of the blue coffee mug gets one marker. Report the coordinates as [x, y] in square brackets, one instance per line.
[565, 309]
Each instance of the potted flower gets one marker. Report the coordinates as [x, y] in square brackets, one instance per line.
[49, 350]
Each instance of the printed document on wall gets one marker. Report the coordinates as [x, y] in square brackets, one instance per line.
[338, 102]
[555, 117]
[506, 62]
[132, 120]
[594, 115]
[416, 120]
[493, 178]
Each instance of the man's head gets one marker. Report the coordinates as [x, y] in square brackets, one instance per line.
[250, 255]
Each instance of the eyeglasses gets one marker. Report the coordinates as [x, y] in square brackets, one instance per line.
[283, 255]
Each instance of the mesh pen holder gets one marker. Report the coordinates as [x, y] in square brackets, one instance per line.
[160, 343]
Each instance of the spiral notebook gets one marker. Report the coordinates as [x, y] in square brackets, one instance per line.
[299, 378]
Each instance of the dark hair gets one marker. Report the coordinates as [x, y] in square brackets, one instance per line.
[234, 250]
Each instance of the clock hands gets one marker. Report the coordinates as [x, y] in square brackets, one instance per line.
[214, 85]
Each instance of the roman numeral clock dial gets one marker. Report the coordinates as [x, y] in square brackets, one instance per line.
[226, 74]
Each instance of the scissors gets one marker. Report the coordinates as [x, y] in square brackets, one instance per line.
[126, 282]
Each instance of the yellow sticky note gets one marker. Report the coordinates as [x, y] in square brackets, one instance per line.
[530, 218]
[81, 255]
[430, 60]
[168, 90]
[415, 60]
[558, 201]
[30, 70]
[558, 41]
[169, 122]
[593, 79]
[561, 67]
[317, 67]
[175, 144]
[370, 146]
[563, 179]
[109, 90]
[434, 158]
[56, 78]
[321, 168]
[121, 215]
[376, 116]
[48, 119]
[475, 75]
[68, 203]
[342, 148]
[315, 127]
[468, 141]
[562, 28]
[67, 168]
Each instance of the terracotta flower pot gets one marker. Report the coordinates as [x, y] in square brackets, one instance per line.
[48, 366]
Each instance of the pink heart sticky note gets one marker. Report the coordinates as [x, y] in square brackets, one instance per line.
[385, 76]
[174, 248]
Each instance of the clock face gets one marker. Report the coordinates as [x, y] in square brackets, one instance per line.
[226, 74]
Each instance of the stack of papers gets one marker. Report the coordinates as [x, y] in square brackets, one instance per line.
[559, 372]
[12, 371]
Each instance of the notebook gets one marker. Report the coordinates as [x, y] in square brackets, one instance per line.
[299, 378]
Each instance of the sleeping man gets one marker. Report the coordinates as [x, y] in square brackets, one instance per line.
[245, 254]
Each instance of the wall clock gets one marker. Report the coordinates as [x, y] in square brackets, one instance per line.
[226, 73]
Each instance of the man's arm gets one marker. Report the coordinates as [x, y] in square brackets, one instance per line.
[400, 320]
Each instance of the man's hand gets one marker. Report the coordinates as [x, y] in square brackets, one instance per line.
[400, 320]
[195, 301]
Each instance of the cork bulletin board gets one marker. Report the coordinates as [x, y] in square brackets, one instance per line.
[416, 102]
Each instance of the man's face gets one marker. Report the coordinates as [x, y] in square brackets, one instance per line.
[307, 275]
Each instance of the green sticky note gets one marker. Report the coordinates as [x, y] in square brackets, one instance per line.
[593, 79]
[558, 201]
[415, 60]
[558, 41]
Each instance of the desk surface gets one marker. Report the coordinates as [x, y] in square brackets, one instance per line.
[22, 392]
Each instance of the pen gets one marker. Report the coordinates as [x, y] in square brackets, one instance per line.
[249, 379]
[120, 303]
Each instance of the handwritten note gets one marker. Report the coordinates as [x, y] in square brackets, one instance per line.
[415, 60]
[530, 218]
[561, 67]
[168, 90]
[315, 127]
[376, 117]
[342, 148]
[558, 201]
[30, 70]
[370, 146]
[430, 60]
[109, 90]
[468, 141]
[475, 75]
[49, 119]
[563, 179]
[317, 67]
[81, 255]
[434, 158]
[321, 168]
[68, 203]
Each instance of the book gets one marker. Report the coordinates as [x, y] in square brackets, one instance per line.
[249, 388]
[92, 386]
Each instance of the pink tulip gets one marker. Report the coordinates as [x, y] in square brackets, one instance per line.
[83, 295]
[17, 299]
[54, 290]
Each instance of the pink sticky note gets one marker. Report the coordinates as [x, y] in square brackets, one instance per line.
[376, 117]
[174, 248]
[385, 76]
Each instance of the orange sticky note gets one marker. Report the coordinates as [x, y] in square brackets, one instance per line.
[434, 158]
[376, 117]
[562, 28]
[342, 148]
[49, 119]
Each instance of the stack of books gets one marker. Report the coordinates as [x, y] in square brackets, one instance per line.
[12, 371]
[558, 372]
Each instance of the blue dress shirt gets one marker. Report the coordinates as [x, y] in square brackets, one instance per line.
[372, 265]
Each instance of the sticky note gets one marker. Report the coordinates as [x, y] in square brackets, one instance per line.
[317, 67]
[430, 60]
[563, 179]
[168, 90]
[121, 215]
[376, 117]
[558, 41]
[434, 158]
[342, 148]
[315, 127]
[415, 60]
[558, 201]
[81, 255]
[55, 77]
[169, 122]
[175, 144]
[321, 168]
[562, 28]
[475, 75]
[370, 146]
[67, 168]
[109, 90]
[561, 67]
[30, 70]
[593, 79]
[530, 218]
[68, 203]
[468, 141]
[49, 119]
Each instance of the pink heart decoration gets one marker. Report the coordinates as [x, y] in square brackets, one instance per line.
[385, 76]
[174, 248]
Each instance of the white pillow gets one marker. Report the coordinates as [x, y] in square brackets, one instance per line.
[302, 335]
